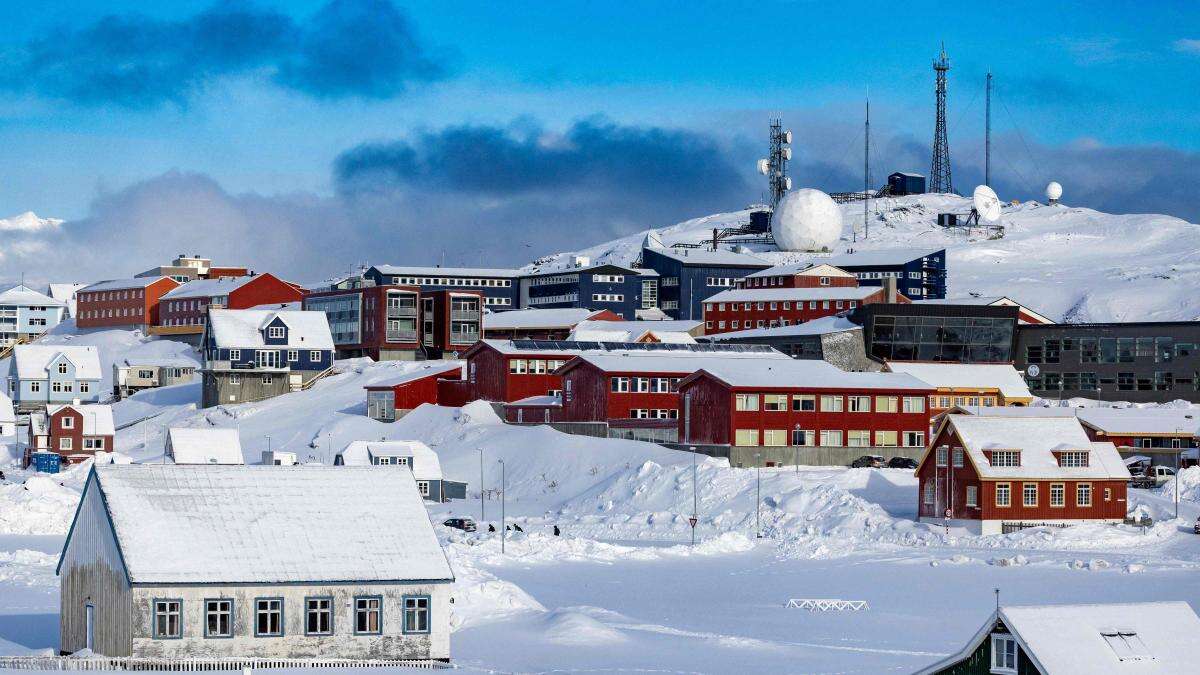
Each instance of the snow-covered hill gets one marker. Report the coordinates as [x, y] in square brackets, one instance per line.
[1071, 263]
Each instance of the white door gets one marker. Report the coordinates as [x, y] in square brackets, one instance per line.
[90, 611]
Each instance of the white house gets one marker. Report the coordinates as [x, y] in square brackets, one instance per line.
[42, 374]
[205, 561]
[415, 455]
[204, 446]
[65, 293]
[1146, 638]
[26, 313]
[8, 416]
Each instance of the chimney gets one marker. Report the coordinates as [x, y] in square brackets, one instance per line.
[889, 289]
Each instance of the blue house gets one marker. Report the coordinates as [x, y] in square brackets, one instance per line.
[252, 354]
[621, 290]
[499, 286]
[920, 274]
[689, 276]
[51, 374]
[26, 314]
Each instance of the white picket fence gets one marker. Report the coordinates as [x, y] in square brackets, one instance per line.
[199, 664]
[827, 605]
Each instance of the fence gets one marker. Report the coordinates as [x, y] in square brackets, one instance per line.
[827, 605]
[111, 663]
[1007, 528]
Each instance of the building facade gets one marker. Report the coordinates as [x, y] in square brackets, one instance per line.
[499, 287]
[689, 276]
[381, 322]
[53, 374]
[923, 331]
[130, 377]
[540, 324]
[252, 355]
[122, 302]
[393, 400]
[183, 310]
[920, 274]
[968, 384]
[186, 268]
[451, 321]
[617, 289]
[414, 456]
[73, 431]
[747, 308]
[26, 314]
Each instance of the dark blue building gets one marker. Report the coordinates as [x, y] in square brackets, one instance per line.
[901, 183]
[689, 276]
[499, 286]
[920, 274]
[622, 290]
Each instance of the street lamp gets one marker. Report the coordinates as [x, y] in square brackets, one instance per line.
[503, 497]
[758, 496]
[695, 496]
[482, 516]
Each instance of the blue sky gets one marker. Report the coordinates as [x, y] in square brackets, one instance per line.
[265, 111]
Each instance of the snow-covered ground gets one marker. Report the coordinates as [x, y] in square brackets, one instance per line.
[622, 574]
[1067, 262]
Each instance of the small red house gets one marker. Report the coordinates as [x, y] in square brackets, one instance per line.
[183, 309]
[122, 302]
[73, 431]
[503, 371]
[985, 473]
[767, 407]
[389, 402]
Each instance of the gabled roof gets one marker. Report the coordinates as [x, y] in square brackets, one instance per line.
[97, 418]
[126, 284]
[65, 291]
[268, 524]
[422, 459]
[7, 414]
[634, 331]
[1036, 438]
[882, 257]
[680, 363]
[214, 445]
[1000, 376]
[793, 373]
[207, 288]
[243, 328]
[25, 296]
[32, 361]
[1165, 637]
[795, 294]
[821, 326]
[718, 258]
[401, 270]
[1142, 421]
[807, 268]
[421, 371]
[563, 317]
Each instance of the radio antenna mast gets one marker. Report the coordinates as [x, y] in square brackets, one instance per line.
[867, 172]
[987, 134]
[940, 171]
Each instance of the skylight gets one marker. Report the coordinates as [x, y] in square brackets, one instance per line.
[1126, 645]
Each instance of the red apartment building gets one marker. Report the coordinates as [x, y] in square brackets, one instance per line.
[451, 322]
[504, 371]
[74, 432]
[184, 310]
[122, 302]
[768, 410]
[381, 322]
[989, 475]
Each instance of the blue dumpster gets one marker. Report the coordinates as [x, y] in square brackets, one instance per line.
[47, 462]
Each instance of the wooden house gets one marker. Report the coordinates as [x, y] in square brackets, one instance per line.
[122, 302]
[47, 374]
[178, 562]
[73, 431]
[132, 376]
[415, 456]
[204, 445]
[396, 398]
[984, 384]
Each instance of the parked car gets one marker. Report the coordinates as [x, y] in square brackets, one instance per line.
[867, 462]
[1196, 526]
[1154, 476]
[464, 524]
[902, 463]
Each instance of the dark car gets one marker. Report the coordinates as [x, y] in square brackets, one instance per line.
[1196, 527]
[867, 462]
[902, 463]
[464, 524]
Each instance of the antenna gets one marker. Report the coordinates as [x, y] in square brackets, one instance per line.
[987, 134]
[940, 171]
[867, 171]
[987, 204]
[774, 166]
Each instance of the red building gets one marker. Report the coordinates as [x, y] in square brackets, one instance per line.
[381, 322]
[450, 322]
[122, 302]
[768, 410]
[73, 431]
[183, 310]
[801, 275]
[505, 371]
[988, 474]
[389, 402]
[541, 324]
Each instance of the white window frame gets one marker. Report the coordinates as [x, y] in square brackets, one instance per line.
[1001, 663]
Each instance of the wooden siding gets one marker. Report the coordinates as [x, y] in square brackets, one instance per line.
[142, 308]
[593, 400]
[710, 406]
[91, 571]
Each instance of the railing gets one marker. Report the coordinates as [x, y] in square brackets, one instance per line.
[401, 335]
[464, 337]
[320, 376]
[401, 312]
[827, 605]
[464, 314]
[1008, 528]
[202, 664]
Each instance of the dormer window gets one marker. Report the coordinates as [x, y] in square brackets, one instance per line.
[275, 332]
[1006, 458]
[62, 369]
[824, 281]
[1073, 458]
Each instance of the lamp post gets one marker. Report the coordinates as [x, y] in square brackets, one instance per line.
[482, 516]
[503, 498]
[758, 496]
[695, 496]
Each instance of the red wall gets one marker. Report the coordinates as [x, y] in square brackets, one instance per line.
[488, 378]
[409, 395]
[592, 398]
[264, 289]
[802, 281]
[143, 310]
[57, 431]
[799, 312]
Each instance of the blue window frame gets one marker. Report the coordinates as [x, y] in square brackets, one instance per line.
[268, 617]
[168, 618]
[368, 615]
[218, 617]
[416, 614]
[318, 615]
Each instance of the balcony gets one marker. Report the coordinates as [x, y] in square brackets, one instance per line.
[464, 315]
[401, 312]
[226, 365]
[464, 338]
[401, 336]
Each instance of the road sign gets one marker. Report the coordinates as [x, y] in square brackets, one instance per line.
[1033, 370]
[692, 522]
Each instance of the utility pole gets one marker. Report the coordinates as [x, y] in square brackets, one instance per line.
[758, 497]
[482, 515]
[695, 496]
[867, 173]
[503, 497]
[987, 134]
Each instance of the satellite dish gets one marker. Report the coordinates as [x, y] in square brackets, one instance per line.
[763, 166]
[987, 204]
[787, 153]
[787, 182]
[1053, 192]
[787, 137]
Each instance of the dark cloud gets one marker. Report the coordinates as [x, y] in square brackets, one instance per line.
[1048, 90]
[349, 48]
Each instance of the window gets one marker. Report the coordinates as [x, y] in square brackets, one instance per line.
[831, 404]
[943, 455]
[746, 402]
[927, 494]
[804, 438]
[746, 437]
[973, 496]
[886, 439]
[218, 618]
[914, 439]
[168, 619]
[35, 387]
[804, 403]
[775, 402]
[268, 617]
[423, 487]
[1003, 494]
[831, 439]
[64, 443]
[1108, 494]
[860, 403]
[275, 332]
[1006, 458]
[93, 443]
[1127, 645]
[1029, 494]
[885, 404]
[1073, 458]
[620, 385]
[416, 614]
[235, 355]
[235, 379]
[62, 369]
[857, 438]
[368, 616]
[1083, 494]
[68, 422]
[293, 355]
[267, 378]
[775, 437]
[1058, 495]
[1004, 654]
[958, 457]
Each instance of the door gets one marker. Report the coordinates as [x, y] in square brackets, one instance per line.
[90, 626]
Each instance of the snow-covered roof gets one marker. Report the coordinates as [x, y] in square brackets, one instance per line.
[807, 268]
[1142, 421]
[204, 446]
[1154, 638]
[720, 257]
[66, 291]
[1000, 376]
[399, 270]
[207, 288]
[986, 301]
[565, 348]
[1037, 438]
[891, 256]
[124, 284]
[1013, 411]
[821, 326]
[32, 361]
[536, 401]
[674, 362]
[25, 296]
[7, 413]
[293, 305]
[634, 331]
[243, 328]
[269, 524]
[97, 418]
[804, 374]
[159, 362]
[423, 460]
[564, 317]
[794, 294]
[426, 369]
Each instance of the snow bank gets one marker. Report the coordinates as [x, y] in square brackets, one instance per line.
[33, 503]
[566, 627]
[1189, 486]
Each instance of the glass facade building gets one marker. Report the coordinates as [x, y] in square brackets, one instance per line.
[937, 332]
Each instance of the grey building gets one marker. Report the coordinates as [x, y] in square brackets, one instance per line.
[835, 339]
[207, 562]
[419, 459]
[938, 332]
[1141, 362]
[132, 376]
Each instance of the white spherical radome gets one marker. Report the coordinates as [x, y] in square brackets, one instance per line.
[1053, 191]
[806, 220]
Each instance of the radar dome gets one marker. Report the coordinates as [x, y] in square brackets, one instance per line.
[1053, 191]
[806, 220]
